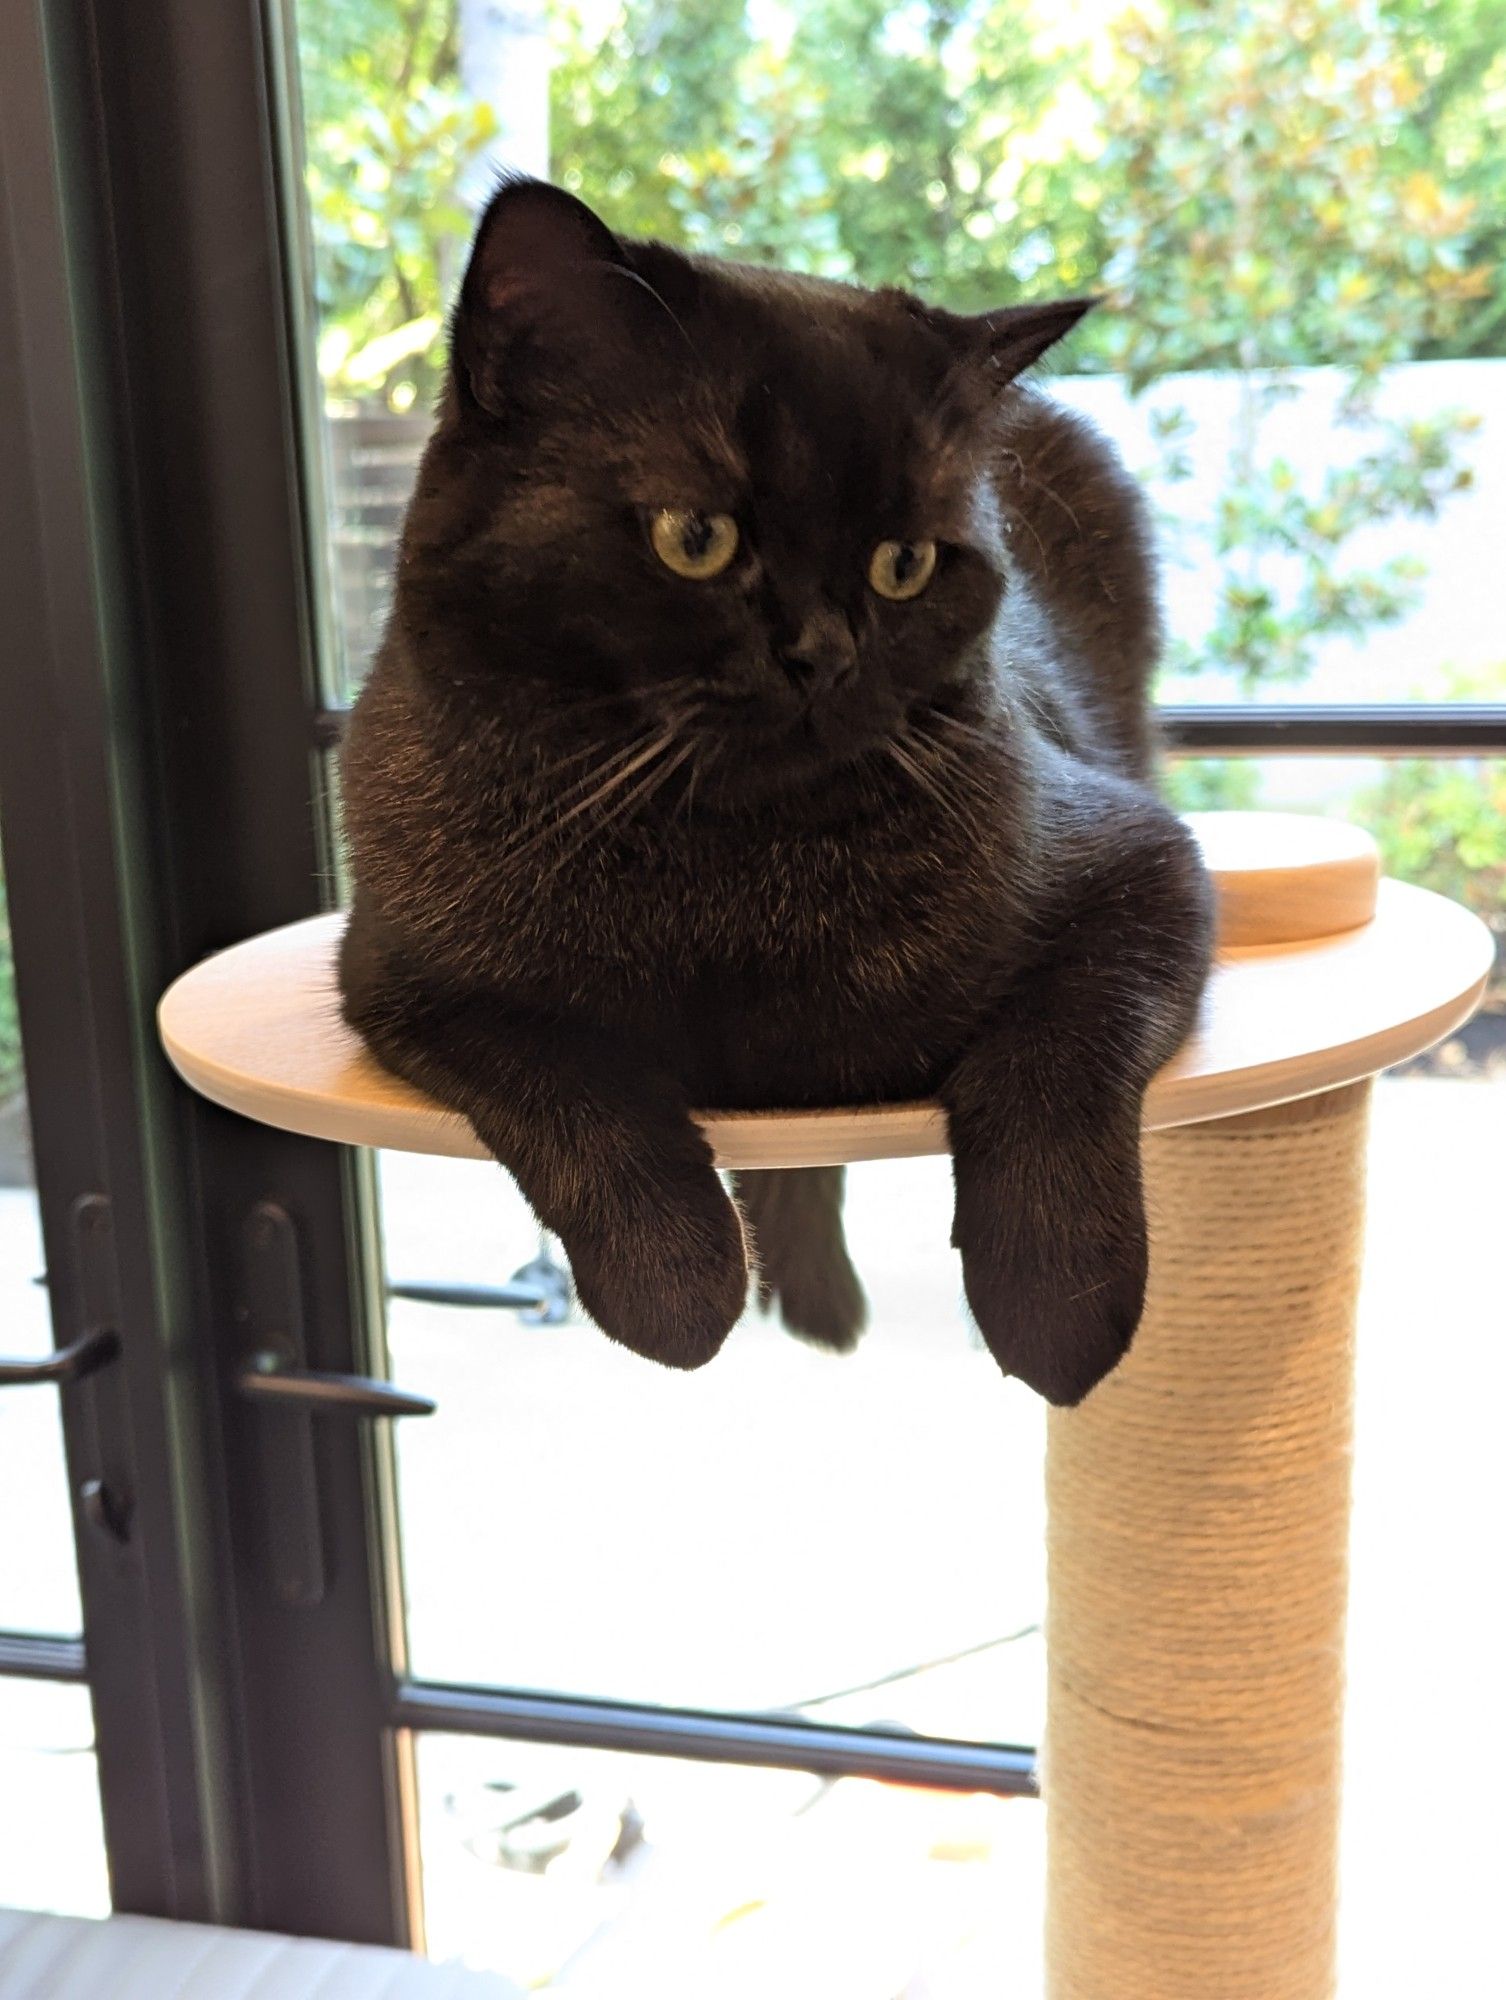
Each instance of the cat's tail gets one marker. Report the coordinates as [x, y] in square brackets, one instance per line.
[794, 1215]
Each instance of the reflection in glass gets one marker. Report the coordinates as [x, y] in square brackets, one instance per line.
[612, 1875]
[52, 1843]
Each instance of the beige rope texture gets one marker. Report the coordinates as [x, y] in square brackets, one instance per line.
[1199, 1513]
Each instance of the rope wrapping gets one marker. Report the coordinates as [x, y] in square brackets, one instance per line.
[1198, 1509]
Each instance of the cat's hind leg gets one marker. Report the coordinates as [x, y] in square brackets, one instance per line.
[800, 1251]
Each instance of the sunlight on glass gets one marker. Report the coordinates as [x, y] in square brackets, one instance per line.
[38, 1575]
[52, 1843]
[603, 1875]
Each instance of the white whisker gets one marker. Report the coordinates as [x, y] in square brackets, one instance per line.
[932, 773]
[612, 772]
[639, 795]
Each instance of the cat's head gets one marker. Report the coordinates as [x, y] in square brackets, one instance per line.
[757, 507]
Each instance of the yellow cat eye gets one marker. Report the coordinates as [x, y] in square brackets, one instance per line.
[899, 570]
[691, 544]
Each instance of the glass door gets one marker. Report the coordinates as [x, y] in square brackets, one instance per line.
[594, 1669]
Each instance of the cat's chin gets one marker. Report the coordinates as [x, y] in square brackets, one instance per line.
[800, 773]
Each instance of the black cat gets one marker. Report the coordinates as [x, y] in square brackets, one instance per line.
[761, 722]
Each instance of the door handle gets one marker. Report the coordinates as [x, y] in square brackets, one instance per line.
[270, 1379]
[287, 1398]
[91, 1351]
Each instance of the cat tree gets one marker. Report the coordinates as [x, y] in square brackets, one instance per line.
[1198, 1501]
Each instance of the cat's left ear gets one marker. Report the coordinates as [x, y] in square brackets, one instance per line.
[1010, 339]
[550, 297]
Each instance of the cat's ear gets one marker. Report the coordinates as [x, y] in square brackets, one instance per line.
[548, 289]
[1008, 340]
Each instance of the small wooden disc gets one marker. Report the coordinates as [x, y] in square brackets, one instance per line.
[1282, 877]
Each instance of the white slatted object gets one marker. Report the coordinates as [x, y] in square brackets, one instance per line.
[44, 1957]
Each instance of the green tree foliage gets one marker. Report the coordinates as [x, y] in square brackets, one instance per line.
[1265, 207]
[1263, 198]
[1457, 51]
[929, 132]
[1261, 185]
[897, 144]
[388, 137]
[666, 118]
[1211, 784]
[1442, 821]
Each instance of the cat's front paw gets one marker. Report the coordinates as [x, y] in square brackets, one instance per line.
[669, 1281]
[1054, 1265]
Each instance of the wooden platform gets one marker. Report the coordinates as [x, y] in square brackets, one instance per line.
[1325, 975]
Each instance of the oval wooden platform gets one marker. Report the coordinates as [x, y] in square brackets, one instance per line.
[1325, 975]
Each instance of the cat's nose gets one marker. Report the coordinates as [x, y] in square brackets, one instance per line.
[823, 652]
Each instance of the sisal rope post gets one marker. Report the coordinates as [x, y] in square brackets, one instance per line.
[1198, 1511]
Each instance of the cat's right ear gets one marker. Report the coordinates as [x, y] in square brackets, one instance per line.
[1013, 338]
[548, 287]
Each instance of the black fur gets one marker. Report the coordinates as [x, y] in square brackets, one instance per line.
[626, 843]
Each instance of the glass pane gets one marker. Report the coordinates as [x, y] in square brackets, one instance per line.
[38, 1578]
[52, 1841]
[1302, 358]
[1303, 361]
[771, 1532]
[607, 1875]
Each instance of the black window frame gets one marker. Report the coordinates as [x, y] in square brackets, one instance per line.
[163, 792]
